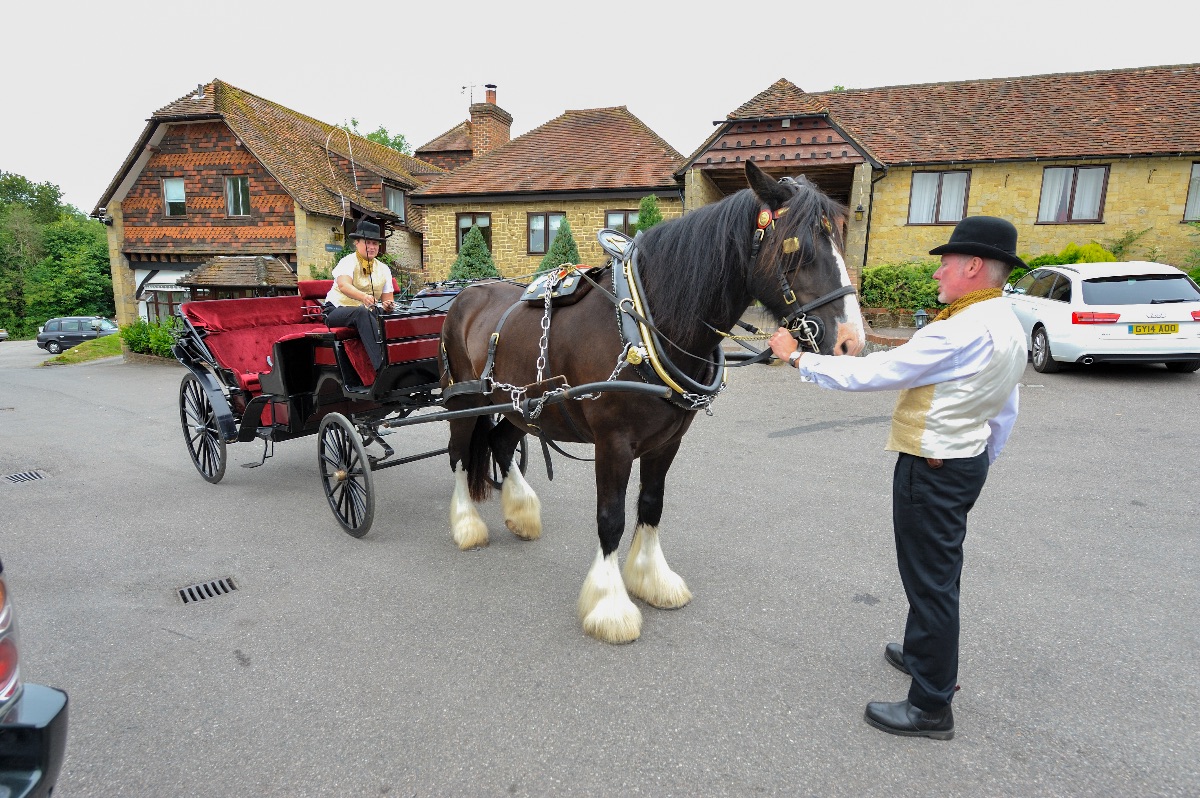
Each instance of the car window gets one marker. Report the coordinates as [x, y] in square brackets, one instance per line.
[71, 326]
[1043, 281]
[1022, 285]
[105, 324]
[1061, 292]
[51, 326]
[1141, 289]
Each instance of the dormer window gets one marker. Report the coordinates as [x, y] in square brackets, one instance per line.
[394, 199]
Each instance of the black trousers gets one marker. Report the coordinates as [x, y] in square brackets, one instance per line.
[929, 518]
[364, 321]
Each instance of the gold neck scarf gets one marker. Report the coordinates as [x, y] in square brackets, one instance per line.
[966, 300]
[364, 264]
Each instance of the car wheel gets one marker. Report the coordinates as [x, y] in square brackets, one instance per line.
[53, 347]
[1183, 366]
[1043, 361]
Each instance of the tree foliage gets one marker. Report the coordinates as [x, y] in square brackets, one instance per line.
[562, 249]
[474, 262]
[53, 259]
[380, 135]
[648, 213]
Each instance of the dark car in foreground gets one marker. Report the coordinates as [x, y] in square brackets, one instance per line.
[33, 719]
[67, 331]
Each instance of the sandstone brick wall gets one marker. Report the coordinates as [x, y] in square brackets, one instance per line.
[509, 231]
[124, 287]
[1142, 193]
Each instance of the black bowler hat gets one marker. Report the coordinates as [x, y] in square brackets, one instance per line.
[985, 236]
[367, 230]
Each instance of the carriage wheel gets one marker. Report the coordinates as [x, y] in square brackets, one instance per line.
[522, 454]
[346, 474]
[200, 430]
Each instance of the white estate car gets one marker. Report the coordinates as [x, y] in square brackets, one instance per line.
[1128, 312]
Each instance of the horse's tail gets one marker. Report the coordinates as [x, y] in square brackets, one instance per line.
[479, 460]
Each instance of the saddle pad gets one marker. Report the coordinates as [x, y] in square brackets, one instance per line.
[569, 288]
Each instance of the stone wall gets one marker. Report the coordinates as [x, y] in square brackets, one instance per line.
[510, 230]
[124, 286]
[1142, 193]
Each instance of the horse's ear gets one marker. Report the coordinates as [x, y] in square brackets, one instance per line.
[773, 195]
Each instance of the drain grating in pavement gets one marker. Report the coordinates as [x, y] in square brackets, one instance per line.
[24, 476]
[207, 590]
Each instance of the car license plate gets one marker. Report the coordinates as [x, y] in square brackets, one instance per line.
[1153, 329]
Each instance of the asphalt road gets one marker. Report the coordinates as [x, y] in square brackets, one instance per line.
[396, 665]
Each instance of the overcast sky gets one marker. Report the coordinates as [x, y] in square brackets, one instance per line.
[82, 78]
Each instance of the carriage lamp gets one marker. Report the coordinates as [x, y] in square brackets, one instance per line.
[858, 213]
[920, 318]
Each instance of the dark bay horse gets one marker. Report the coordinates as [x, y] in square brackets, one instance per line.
[774, 242]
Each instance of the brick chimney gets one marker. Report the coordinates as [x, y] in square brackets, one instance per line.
[491, 125]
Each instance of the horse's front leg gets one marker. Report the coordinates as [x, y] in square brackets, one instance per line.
[467, 528]
[522, 508]
[604, 607]
[646, 573]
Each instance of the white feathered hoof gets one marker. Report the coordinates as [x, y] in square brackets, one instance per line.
[467, 528]
[604, 607]
[647, 575]
[522, 507]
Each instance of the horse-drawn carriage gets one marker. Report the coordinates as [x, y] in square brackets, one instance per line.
[484, 360]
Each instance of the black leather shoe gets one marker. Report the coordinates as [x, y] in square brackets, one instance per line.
[906, 720]
[894, 654]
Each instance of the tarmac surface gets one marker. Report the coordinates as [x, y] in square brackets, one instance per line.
[396, 665]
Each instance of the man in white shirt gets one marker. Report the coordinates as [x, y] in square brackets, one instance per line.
[360, 281]
[957, 378]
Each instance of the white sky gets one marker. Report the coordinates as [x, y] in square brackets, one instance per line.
[82, 78]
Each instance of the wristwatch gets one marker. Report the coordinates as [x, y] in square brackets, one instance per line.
[794, 359]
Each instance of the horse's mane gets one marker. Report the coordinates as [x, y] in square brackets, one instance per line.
[689, 265]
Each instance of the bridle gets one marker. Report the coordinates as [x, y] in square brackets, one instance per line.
[808, 332]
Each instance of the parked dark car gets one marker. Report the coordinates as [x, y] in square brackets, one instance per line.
[33, 719]
[66, 331]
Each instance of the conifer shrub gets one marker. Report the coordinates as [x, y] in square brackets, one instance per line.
[562, 249]
[474, 262]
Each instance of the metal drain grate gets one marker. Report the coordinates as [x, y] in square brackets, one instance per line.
[24, 476]
[207, 590]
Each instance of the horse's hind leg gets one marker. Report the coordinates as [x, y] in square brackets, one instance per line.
[522, 508]
[646, 573]
[466, 526]
[604, 607]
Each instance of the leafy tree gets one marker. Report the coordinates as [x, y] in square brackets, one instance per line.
[380, 136]
[73, 277]
[44, 200]
[474, 262]
[648, 213]
[562, 250]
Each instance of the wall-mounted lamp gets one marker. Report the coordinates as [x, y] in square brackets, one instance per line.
[858, 213]
[920, 318]
[106, 220]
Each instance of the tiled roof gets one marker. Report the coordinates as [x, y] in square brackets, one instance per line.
[591, 150]
[296, 149]
[1139, 111]
[456, 139]
[240, 271]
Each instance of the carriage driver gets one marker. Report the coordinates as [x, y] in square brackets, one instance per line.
[361, 280]
[958, 400]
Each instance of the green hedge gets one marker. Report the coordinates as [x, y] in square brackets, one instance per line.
[145, 338]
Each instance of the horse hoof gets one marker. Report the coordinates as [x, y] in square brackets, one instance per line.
[524, 531]
[665, 597]
[470, 534]
[610, 623]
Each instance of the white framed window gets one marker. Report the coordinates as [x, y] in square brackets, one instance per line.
[622, 221]
[174, 199]
[543, 227]
[1072, 194]
[464, 223]
[237, 196]
[394, 199]
[1191, 211]
[938, 197]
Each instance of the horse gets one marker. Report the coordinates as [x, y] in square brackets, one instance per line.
[778, 242]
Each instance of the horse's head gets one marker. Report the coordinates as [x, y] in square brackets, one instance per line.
[799, 273]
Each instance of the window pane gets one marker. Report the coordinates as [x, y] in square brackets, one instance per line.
[556, 220]
[633, 220]
[1139, 290]
[395, 200]
[616, 220]
[954, 196]
[1056, 195]
[1191, 211]
[237, 196]
[537, 233]
[176, 202]
[1089, 183]
[924, 193]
